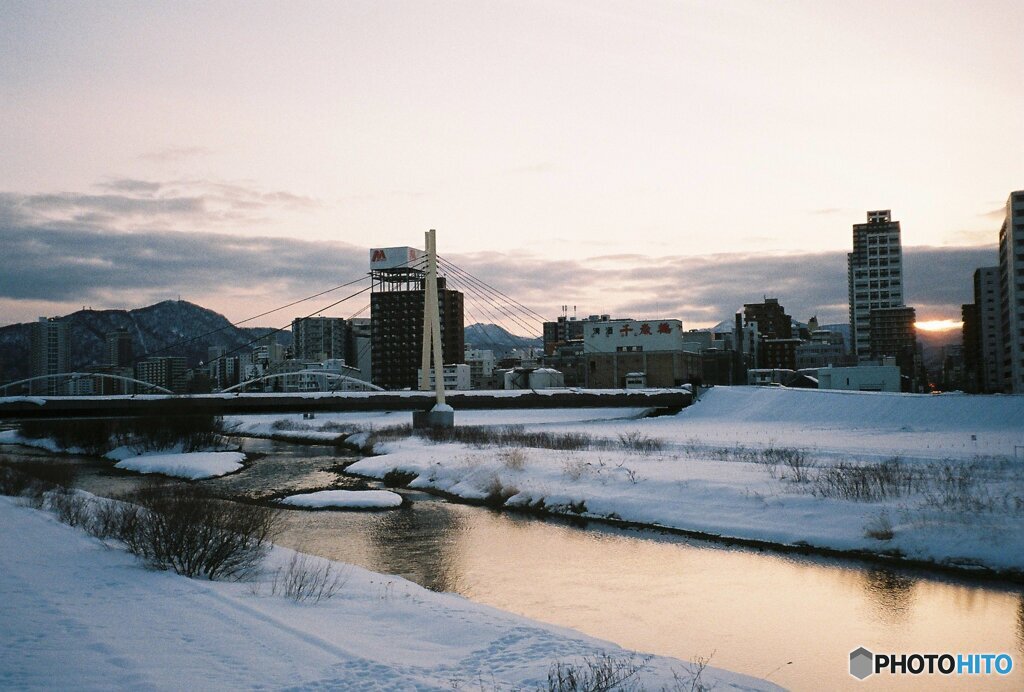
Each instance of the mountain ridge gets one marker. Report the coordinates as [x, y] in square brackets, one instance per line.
[167, 328]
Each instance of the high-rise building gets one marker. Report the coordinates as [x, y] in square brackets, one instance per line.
[894, 335]
[320, 338]
[396, 318]
[1011, 289]
[48, 343]
[776, 347]
[984, 353]
[771, 318]
[163, 371]
[974, 364]
[874, 275]
[119, 348]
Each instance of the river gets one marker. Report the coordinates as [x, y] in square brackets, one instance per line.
[790, 619]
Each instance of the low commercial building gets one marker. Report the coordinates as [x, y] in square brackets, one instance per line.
[456, 377]
[862, 378]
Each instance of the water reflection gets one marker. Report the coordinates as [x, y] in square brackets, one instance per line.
[435, 535]
[891, 593]
[792, 619]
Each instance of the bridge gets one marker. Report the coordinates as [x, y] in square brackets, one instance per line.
[336, 391]
[21, 407]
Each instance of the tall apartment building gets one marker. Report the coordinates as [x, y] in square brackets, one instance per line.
[321, 338]
[48, 344]
[894, 335]
[983, 336]
[775, 347]
[163, 371]
[396, 318]
[874, 275]
[119, 348]
[1011, 289]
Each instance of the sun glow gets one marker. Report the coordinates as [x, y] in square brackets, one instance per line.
[939, 325]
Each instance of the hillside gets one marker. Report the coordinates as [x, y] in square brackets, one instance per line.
[169, 328]
[498, 339]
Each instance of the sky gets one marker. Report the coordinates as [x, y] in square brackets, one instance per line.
[656, 159]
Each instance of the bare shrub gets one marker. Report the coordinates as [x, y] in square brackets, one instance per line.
[92, 436]
[388, 433]
[396, 478]
[879, 527]
[514, 436]
[195, 534]
[113, 519]
[177, 426]
[867, 482]
[513, 459]
[285, 424]
[600, 673]
[71, 507]
[575, 469]
[498, 493]
[307, 579]
[636, 441]
[31, 480]
[13, 481]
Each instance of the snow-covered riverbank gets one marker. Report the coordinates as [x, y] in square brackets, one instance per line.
[932, 478]
[79, 615]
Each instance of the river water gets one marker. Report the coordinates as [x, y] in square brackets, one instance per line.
[790, 619]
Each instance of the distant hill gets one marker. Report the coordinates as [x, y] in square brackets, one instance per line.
[498, 339]
[170, 328]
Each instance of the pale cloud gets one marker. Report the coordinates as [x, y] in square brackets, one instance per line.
[173, 154]
[110, 249]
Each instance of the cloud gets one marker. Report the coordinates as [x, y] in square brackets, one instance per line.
[72, 250]
[132, 204]
[131, 185]
[171, 154]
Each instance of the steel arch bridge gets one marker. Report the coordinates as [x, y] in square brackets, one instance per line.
[72, 376]
[326, 374]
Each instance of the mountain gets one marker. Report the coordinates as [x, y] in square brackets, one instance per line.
[498, 339]
[170, 328]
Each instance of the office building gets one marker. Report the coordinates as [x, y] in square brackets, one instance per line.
[48, 345]
[983, 335]
[874, 276]
[163, 371]
[893, 335]
[1011, 289]
[775, 346]
[119, 348]
[396, 318]
[320, 338]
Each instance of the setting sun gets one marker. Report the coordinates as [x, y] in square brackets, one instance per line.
[939, 325]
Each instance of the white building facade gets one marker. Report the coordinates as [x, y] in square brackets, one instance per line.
[874, 275]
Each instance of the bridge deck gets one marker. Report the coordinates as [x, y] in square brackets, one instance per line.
[219, 404]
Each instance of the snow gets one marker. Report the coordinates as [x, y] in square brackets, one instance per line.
[353, 499]
[707, 477]
[78, 615]
[294, 426]
[190, 465]
[13, 437]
